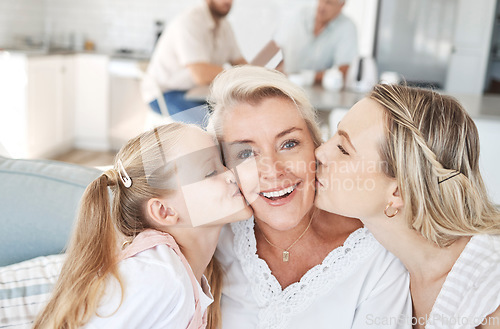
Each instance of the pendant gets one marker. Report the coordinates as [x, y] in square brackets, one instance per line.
[286, 256]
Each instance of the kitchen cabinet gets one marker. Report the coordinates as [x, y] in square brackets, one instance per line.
[52, 103]
[91, 124]
[36, 108]
[128, 113]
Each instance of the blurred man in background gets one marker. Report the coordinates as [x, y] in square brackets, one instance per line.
[190, 52]
[318, 38]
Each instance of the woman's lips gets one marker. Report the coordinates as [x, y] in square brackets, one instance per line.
[279, 191]
[279, 197]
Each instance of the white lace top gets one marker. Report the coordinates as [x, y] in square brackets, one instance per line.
[358, 285]
[472, 288]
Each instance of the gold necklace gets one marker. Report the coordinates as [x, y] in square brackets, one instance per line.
[286, 252]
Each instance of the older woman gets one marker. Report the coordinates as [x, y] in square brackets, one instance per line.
[292, 265]
[423, 199]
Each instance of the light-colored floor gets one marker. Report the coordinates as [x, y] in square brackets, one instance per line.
[87, 158]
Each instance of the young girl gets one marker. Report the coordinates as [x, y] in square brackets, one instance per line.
[406, 162]
[138, 261]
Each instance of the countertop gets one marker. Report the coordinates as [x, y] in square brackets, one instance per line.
[485, 106]
[38, 52]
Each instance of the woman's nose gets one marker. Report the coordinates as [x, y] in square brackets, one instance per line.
[320, 155]
[271, 167]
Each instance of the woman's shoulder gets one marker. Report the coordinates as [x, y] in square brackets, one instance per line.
[481, 254]
[493, 240]
[472, 288]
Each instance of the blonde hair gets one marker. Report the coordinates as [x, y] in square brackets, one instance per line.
[253, 84]
[92, 254]
[432, 148]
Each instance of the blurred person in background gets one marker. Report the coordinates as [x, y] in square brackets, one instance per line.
[190, 52]
[317, 38]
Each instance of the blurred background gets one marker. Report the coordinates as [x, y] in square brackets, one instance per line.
[70, 70]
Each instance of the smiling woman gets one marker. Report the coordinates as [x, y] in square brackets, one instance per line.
[426, 200]
[281, 142]
[292, 265]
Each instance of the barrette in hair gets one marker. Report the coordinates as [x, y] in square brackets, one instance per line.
[126, 180]
[455, 173]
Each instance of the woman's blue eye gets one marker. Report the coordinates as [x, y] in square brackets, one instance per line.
[245, 154]
[290, 144]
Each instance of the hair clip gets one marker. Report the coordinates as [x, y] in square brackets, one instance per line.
[126, 180]
[456, 173]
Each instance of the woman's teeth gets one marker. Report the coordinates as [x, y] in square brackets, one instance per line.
[277, 194]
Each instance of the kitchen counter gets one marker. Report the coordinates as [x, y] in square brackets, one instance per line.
[478, 106]
[485, 106]
[321, 99]
[36, 52]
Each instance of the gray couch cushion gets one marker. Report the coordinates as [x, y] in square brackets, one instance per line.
[38, 204]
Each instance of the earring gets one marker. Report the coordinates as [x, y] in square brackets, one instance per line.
[126, 243]
[387, 208]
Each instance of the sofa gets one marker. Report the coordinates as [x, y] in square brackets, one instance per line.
[38, 201]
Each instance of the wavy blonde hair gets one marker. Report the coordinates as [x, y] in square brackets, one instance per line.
[103, 224]
[432, 148]
[252, 84]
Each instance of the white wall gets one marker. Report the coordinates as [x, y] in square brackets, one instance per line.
[115, 24]
[111, 24]
[364, 15]
[489, 135]
[20, 18]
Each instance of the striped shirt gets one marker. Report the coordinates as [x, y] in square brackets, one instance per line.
[472, 288]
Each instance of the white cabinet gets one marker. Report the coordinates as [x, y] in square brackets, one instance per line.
[469, 61]
[127, 111]
[50, 105]
[91, 102]
[36, 116]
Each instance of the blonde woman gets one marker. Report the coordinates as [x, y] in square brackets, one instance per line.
[170, 197]
[413, 157]
[292, 266]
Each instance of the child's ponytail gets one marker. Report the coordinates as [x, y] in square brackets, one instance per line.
[91, 256]
[214, 274]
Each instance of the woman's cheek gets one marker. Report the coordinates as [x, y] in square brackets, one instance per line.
[248, 179]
